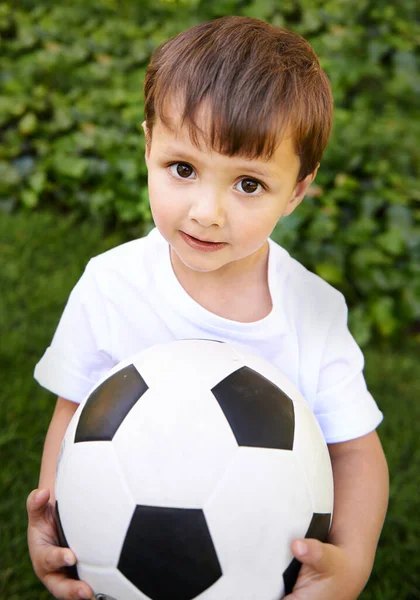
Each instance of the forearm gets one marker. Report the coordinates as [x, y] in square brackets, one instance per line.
[361, 498]
[63, 413]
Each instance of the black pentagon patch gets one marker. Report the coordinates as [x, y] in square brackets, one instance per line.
[169, 553]
[260, 413]
[290, 576]
[318, 529]
[109, 404]
[319, 526]
[71, 571]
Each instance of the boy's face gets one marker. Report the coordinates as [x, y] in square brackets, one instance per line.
[210, 197]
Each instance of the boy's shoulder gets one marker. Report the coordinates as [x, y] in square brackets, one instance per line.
[303, 285]
[129, 254]
[125, 250]
[129, 263]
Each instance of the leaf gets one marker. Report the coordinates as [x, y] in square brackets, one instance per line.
[382, 311]
[9, 176]
[28, 124]
[391, 241]
[330, 272]
[37, 181]
[321, 227]
[411, 302]
[71, 166]
[364, 257]
[29, 198]
[360, 325]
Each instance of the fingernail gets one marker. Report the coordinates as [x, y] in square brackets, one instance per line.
[69, 559]
[301, 548]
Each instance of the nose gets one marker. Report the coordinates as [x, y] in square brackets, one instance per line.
[208, 209]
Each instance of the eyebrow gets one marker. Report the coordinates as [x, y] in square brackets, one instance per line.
[244, 167]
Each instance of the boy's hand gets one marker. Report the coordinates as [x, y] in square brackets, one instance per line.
[47, 557]
[327, 573]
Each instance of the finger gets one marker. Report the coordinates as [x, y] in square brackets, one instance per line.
[61, 586]
[55, 558]
[315, 554]
[36, 504]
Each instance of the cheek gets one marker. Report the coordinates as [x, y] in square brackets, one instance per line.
[160, 197]
[165, 205]
[256, 226]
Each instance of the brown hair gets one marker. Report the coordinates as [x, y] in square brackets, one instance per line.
[259, 79]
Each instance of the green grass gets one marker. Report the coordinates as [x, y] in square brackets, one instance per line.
[41, 258]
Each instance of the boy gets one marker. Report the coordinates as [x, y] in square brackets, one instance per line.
[238, 114]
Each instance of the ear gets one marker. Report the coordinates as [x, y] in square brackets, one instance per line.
[300, 191]
[148, 141]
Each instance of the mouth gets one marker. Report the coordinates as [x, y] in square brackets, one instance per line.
[202, 241]
[201, 244]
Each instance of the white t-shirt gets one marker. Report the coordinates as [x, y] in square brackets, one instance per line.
[129, 299]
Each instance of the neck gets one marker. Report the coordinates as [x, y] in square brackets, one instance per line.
[234, 275]
[239, 292]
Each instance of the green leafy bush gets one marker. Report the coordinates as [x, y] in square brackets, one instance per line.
[71, 108]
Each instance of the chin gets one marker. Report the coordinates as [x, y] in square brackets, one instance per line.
[199, 268]
[199, 265]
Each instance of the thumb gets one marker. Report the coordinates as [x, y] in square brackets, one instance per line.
[315, 554]
[36, 504]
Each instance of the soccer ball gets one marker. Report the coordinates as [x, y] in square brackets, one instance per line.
[186, 474]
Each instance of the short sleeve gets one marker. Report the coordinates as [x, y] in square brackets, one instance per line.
[344, 407]
[79, 353]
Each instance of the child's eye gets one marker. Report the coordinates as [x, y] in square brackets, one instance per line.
[250, 185]
[184, 170]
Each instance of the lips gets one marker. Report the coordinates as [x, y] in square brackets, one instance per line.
[202, 245]
[201, 240]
